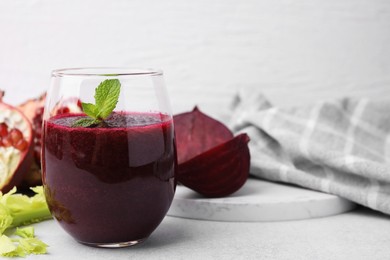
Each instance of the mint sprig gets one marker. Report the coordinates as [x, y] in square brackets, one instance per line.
[106, 98]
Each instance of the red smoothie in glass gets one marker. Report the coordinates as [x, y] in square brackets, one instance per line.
[111, 183]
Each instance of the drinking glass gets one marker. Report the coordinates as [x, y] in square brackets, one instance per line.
[109, 184]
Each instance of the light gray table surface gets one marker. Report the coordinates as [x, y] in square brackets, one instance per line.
[358, 234]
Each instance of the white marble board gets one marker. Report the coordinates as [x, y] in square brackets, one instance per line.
[259, 200]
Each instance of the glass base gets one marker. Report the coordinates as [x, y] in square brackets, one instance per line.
[114, 245]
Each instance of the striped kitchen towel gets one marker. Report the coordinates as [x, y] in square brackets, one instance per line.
[340, 147]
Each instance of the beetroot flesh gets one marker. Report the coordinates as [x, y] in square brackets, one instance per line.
[220, 171]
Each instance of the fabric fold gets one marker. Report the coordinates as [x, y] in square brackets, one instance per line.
[339, 146]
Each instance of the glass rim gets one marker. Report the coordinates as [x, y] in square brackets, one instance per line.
[105, 72]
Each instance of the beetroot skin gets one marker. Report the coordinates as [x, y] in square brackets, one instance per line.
[211, 160]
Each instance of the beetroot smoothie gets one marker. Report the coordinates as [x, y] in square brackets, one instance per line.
[111, 183]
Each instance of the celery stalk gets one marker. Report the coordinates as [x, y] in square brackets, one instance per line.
[19, 210]
[29, 217]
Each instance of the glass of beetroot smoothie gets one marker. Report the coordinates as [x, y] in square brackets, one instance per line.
[108, 156]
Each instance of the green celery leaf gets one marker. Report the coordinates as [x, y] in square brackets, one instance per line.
[17, 252]
[23, 209]
[26, 232]
[33, 246]
[5, 218]
[6, 245]
[21, 247]
[16, 210]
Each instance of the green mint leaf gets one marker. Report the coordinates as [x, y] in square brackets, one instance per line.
[106, 97]
[89, 109]
[86, 122]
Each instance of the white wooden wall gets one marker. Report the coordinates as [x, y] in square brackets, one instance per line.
[295, 51]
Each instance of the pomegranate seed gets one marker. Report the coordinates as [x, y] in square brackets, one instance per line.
[15, 135]
[63, 110]
[3, 129]
[21, 145]
[6, 141]
[39, 111]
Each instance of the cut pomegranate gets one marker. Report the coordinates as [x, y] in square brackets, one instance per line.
[15, 136]
[3, 130]
[16, 146]
[21, 144]
[211, 161]
[33, 109]
[63, 110]
[68, 105]
[6, 141]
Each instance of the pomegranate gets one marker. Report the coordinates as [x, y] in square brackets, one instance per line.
[16, 137]
[33, 109]
[67, 105]
[211, 160]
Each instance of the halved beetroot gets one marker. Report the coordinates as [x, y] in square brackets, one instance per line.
[16, 153]
[220, 171]
[196, 133]
[211, 160]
